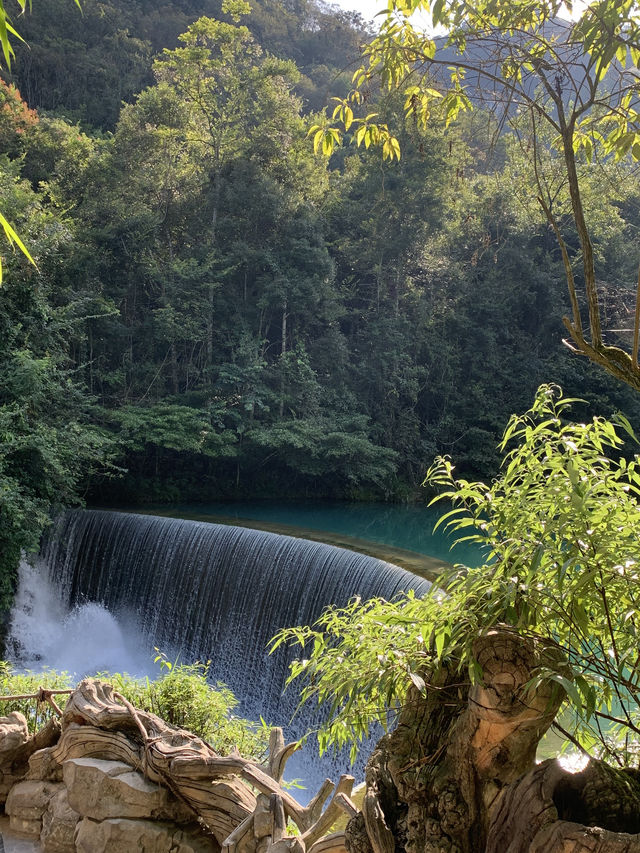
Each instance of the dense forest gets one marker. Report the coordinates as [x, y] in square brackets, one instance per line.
[217, 311]
[234, 290]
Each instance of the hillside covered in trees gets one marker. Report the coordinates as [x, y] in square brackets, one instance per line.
[218, 311]
[227, 302]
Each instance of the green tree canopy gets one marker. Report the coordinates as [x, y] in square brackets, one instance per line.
[574, 80]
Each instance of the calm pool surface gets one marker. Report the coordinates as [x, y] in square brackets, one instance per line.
[396, 525]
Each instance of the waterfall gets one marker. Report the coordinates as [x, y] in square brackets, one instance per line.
[45, 631]
[211, 592]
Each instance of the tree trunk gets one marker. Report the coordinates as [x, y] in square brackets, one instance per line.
[174, 368]
[283, 352]
[552, 809]
[216, 181]
[458, 774]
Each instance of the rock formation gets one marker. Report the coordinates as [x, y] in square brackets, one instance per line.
[457, 775]
[112, 779]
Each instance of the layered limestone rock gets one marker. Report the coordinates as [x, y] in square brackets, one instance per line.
[59, 823]
[26, 804]
[122, 835]
[14, 735]
[100, 789]
[17, 747]
[105, 806]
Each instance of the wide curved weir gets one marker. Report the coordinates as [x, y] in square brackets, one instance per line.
[212, 591]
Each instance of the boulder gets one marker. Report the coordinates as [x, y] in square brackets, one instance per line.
[13, 734]
[121, 835]
[59, 825]
[100, 789]
[26, 803]
[44, 767]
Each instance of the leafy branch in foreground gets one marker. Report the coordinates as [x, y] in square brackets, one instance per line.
[14, 240]
[8, 32]
[576, 78]
[559, 526]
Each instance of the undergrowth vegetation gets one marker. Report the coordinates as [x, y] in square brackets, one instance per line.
[182, 696]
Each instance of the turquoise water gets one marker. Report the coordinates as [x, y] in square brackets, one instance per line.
[397, 525]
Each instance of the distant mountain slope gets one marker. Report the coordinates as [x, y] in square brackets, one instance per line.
[84, 65]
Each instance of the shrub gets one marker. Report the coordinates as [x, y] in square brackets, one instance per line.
[181, 695]
[561, 532]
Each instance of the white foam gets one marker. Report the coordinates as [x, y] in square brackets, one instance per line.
[85, 640]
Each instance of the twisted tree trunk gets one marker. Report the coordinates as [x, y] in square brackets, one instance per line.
[458, 774]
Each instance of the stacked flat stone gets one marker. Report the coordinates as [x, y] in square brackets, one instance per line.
[104, 807]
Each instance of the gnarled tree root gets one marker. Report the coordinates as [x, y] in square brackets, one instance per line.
[242, 803]
[553, 810]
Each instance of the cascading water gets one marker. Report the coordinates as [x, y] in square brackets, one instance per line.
[211, 592]
[46, 632]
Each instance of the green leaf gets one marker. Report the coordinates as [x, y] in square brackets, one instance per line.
[441, 639]
[418, 682]
[13, 239]
[568, 686]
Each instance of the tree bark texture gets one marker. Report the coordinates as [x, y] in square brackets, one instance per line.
[458, 774]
